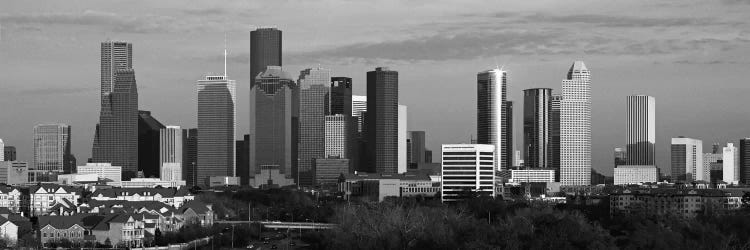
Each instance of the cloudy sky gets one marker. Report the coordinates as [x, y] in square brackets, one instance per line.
[692, 56]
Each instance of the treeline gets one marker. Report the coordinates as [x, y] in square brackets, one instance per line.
[493, 224]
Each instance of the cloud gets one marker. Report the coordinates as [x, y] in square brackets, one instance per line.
[701, 62]
[55, 91]
[622, 21]
[108, 20]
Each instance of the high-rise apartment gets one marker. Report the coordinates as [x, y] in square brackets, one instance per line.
[52, 148]
[687, 160]
[216, 123]
[466, 169]
[536, 127]
[274, 120]
[116, 138]
[641, 129]
[382, 120]
[491, 88]
[575, 126]
[265, 50]
[313, 88]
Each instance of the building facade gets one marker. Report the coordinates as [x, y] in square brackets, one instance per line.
[52, 148]
[554, 137]
[507, 150]
[491, 94]
[217, 125]
[687, 160]
[170, 145]
[636, 174]
[575, 127]
[149, 150]
[190, 156]
[313, 88]
[730, 166]
[116, 138]
[744, 161]
[9, 152]
[467, 169]
[641, 130]
[103, 171]
[536, 127]
[274, 122]
[335, 136]
[382, 121]
[265, 50]
[403, 160]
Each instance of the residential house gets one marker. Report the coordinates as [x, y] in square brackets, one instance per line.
[197, 212]
[13, 198]
[174, 197]
[45, 196]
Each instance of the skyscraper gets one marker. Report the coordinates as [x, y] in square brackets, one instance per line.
[335, 136]
[687, 160]
[52, 148]
[641, 129]
[243, 159]
[536, 127]
[2, 144]
[491, 88]
[507, 150]
[265, 50]
[170, 145]
[115, 55]
[575, 126]
[9, 152]
[359, 106]
[149, 152]
[313, 88]
[274, 114]
[216, 123]
[402, 125]
[339, 102]
[116, 138]
[417, 145]
[190, 156]
[554, 134]
[382, 120]
[730, 169]
[744, 161]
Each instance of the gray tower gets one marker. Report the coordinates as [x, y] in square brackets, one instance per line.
[382, 120]
[313, 88]
[116, 138]
[265, 50]
[536, 127]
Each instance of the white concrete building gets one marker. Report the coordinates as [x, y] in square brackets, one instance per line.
[402, 156]
[10, 197]
[731, 166]
[2, 145]
[151, 183]
[467, 168]
[45, 196]
[575, 127]
[170, 145]
[641, 130]
[335, 136]
[171, 171]
[532, 175]
[636, 174]
[104, 171]
[687, 160]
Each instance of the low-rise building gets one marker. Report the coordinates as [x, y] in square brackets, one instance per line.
[45, 196]
[14, 199]
[171, 196]
[152, 183]
[14, 172]
[538, 175]
[104, 171]
[636, 174]
[672, 201]
[377, 187]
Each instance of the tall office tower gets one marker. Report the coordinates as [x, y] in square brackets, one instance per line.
[687, 160]
[2, 145]
[313, 88]
[536, 131]
[507, 150]
[52, 148]
[265, 50]
[575, 126]
[335, 136]
[242, 149]
[216, 123]
[339, 101]
[416, 143]
[359, 106]
[170, 145]
[554, 134]
[744, 161]
[730, 169]
[712, 162]
[148, 144]
[491, 88]
[641, 129]
[116, 138]
[274, 112]
[115, 56]
[467, 167]
[190, 156]
[382, 121]
[402, 125]
[9, 152]
[620, 156]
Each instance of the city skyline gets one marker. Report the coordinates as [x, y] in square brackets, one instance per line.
[653, 79]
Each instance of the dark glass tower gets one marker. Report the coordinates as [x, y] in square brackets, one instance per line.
[416, 149]
[491, 96]
[745, 161]
[382, 120]
[339, 102]
[554, 131]
[507, 146]
[313, 88]
[9, 153]
[190, 156]
[243, 164]
[274, 121]
[265, 50]
[536, 129]
[116, 139]
[148, 144]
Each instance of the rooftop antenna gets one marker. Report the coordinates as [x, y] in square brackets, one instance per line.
[225, 55]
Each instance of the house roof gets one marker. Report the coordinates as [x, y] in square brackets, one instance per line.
[197, 207]
[114, 192]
